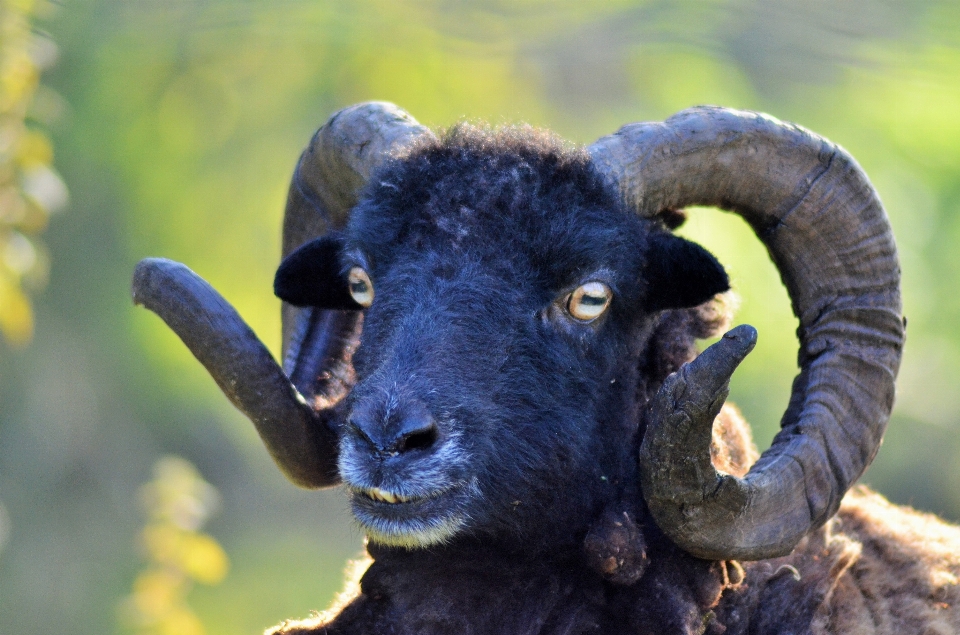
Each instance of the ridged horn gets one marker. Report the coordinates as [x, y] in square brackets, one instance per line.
[828, 234]
[295, 416]
[295, 436]
[343, 153]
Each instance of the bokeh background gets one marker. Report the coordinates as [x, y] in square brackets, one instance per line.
[175, 125]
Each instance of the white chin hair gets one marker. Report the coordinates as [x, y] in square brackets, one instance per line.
[414, 536]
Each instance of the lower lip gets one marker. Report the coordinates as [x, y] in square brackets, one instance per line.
[375, 515]
[418, 506]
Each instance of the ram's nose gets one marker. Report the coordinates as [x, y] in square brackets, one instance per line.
[394, 431]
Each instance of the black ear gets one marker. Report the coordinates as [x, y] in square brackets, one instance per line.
[312, 276]
[681, 274]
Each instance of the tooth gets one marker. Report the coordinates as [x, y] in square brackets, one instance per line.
[384, 497]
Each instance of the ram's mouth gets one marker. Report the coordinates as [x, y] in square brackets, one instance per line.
[383, 496]
[411, 521]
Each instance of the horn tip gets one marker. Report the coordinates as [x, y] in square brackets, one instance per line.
[143, 275]
[150, 273]
[744, 334]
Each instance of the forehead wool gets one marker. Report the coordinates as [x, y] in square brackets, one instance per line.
[516, 192]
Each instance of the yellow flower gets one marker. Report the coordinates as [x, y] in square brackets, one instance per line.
[16, 316]
[204, 559]
[156, 592]
[176, 502]
[29, 187]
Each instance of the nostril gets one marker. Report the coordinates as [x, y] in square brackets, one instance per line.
[408, 427]
[418, 439]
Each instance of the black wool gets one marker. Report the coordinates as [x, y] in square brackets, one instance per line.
[489, 445]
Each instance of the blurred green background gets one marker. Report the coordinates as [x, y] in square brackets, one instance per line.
[179, 125]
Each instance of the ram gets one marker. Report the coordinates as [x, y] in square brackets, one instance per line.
[489, 341]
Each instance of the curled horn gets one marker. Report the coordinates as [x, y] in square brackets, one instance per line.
[294, 416]
[826, 231]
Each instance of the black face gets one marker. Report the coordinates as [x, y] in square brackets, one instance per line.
[507, 299]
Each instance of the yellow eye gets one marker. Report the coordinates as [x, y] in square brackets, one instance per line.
[361, 289]
[589, 301]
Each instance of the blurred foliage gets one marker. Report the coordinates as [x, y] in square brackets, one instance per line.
[178, 502]
[185, 120]
[30, 190]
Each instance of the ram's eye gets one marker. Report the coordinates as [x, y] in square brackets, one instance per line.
[589, 301]
[361, 289]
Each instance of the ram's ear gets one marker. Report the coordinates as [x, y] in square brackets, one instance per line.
[312, 276]
[681, 274]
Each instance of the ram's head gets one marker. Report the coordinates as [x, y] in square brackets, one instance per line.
[469, 322]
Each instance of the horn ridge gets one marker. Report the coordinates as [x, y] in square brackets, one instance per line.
[829, 236]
